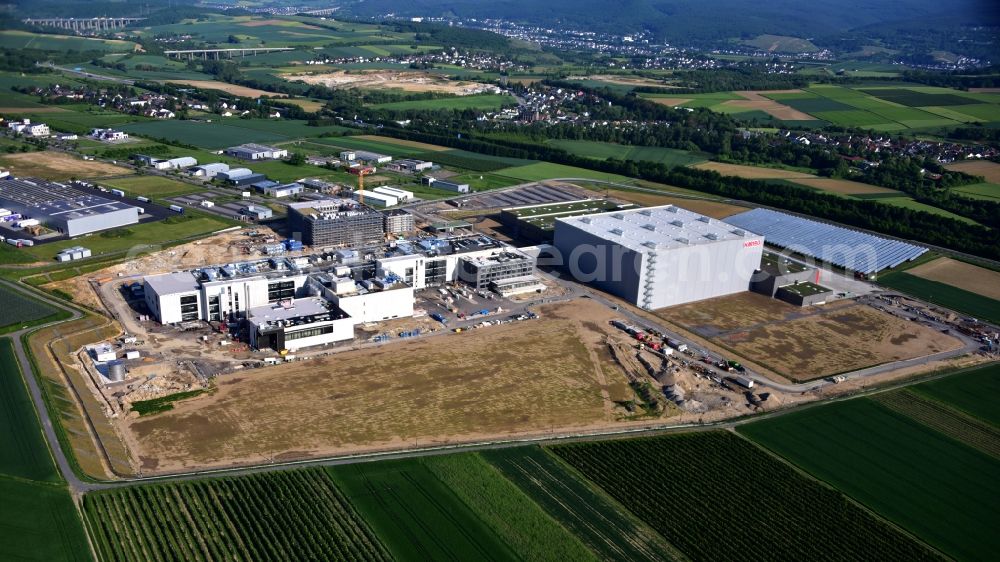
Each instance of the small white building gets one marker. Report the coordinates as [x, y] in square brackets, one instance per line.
[401, 194]
[375, 199]
[253, 151]
[209, 171]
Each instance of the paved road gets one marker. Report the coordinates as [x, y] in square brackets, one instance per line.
[75, 483]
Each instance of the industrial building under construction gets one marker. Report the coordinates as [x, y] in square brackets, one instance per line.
[336, 223]
[290, 303]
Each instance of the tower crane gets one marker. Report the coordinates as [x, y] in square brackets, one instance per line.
[362, 172]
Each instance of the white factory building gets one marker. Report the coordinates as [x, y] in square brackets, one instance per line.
[290, 303]
[277, 302]
[658, 256]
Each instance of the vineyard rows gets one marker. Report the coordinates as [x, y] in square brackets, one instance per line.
[941, 418]
[718, 497]
[293, 515]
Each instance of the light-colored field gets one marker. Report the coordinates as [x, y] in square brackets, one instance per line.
[492, 383]
[756, 101]
[714, 209]
[807, 343]
[57, 166]
[625, 80]
[308, 105]
[672, 102]
[844, 187]
[402, 142]
[281, 23]
[751, 172]
[963, 275]
[985, 90]
[985, 168]
[379, 79]
[226, 87]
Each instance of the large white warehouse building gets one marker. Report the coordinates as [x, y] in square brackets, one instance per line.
[658, 256]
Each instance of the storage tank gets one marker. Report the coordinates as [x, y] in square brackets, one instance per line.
[116, 371]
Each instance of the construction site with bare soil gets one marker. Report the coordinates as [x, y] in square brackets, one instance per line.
[408, 81]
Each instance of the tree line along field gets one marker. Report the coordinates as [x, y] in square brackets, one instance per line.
[285, 515]
[901, 459]
[716, 496]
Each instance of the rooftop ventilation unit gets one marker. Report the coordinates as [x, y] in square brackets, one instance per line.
[740, 232]
[618, 216]
[649, 227]
[683, 240]
[585, 220]
[671, 209]
[712, 236]
[677, 222]
[704, 219]
[617, 231]
[650, 244]
[646, 212]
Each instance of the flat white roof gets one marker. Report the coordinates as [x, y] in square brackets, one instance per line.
[172, 283]
[656, 228]
[309, 306]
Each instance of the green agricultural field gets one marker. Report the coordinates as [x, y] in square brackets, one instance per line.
[601, 523]
[979, 190]
[416, 515]
[471, 160]
[138, 236]
[974, 392]
[39, 522]
[980, 112]
[156, 187]
[458, 103]
[483, 181]
[530, 532]
[14, 39]
[282, 515]
[547, 170]
[19, 310]
[851, 118]
[940, 490]
[914, 98]
[908, 203]
[82, 122]
[947, 296]
[716, 496]
[603, 151]
[25, 453]
[353, 143]
[206, 135]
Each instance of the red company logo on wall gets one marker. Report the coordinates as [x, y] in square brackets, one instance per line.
[751, 243]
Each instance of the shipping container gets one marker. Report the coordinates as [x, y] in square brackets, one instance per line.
[177, 208]
[143, 199]
[118, 192]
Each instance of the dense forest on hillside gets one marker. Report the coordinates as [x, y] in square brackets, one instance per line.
[703, 22]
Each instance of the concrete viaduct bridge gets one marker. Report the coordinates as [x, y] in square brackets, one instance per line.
[82, 25]
[217, 54]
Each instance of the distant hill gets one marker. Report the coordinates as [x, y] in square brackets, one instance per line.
[702, 21]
